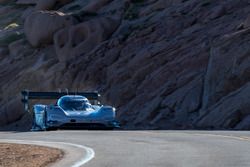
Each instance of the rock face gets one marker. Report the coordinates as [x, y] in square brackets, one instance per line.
[225, 109]
[26, 2]
[39, 27]
[228, 113]
[164, 64]
[80, 39]
[234, 57]
[3, 1]
[95, 5]
[45, 4]
[49, 4]
[13, 106]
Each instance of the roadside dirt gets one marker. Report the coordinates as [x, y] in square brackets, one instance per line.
[22, 155]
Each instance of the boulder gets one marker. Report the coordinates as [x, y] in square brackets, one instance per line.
[39, 27]
[80, 39]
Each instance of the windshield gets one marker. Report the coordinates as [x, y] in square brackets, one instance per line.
[75, 105]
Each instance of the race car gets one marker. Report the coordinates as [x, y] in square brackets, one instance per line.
[70, 111]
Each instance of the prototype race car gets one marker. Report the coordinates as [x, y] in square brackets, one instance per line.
[70, 111]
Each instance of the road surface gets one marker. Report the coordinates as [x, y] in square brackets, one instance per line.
[150, 148]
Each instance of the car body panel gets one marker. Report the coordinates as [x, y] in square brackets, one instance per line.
[70, 112]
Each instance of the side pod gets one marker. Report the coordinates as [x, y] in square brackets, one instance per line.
[39, 117]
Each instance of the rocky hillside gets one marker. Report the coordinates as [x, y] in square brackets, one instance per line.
[164, 64]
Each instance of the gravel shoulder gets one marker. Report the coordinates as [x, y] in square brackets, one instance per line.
[19, 155]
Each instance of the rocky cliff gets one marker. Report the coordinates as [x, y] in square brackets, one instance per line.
[164, 64]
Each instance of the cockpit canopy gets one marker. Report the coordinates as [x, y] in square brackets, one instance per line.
[74, 103]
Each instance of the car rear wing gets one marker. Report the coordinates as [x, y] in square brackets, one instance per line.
[29, 95]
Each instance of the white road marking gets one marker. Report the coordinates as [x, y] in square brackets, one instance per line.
[90, 154]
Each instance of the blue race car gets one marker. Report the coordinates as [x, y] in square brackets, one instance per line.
[71, 111]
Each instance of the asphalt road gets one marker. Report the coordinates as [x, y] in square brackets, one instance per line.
[152, 148]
